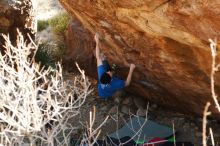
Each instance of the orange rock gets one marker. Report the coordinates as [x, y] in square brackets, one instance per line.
[166, 39]
[12, 18]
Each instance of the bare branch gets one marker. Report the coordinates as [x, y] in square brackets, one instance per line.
[205, 114]
[213, 45]
[32, 97]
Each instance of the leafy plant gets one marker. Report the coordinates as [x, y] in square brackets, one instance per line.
[44, 57]
[49, 54]
[59, 23]
[42, 24]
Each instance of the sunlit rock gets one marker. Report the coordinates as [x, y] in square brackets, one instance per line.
[167, 40]
[15, 14]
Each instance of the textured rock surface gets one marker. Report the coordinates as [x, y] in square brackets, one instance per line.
[15, 16]
[166, 39]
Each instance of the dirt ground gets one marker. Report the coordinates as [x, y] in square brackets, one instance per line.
[120, 109]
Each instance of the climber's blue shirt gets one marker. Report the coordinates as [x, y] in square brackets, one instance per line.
[107, 90]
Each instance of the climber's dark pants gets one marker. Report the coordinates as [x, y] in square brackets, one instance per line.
[108, 67]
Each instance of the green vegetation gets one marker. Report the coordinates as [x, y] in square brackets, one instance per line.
[42, 24]
[59, 23]
[48, 54]
[44, 57]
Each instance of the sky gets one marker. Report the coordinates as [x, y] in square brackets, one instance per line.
[43, 9]
[47, 8]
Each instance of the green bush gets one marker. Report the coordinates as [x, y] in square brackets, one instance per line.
[59, 51]
[42, 24]
[44, 57]
[59, 23]
[49, 55]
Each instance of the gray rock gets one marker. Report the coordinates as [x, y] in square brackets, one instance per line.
[198, 134]
[90, 99]
[139, 102]
[118, 96]
[186, 127]
[141, 112]
[196, 128]
[117, 100]
[115, 117]
[127, 101]
[125, 109]
[113, 110]
[104, 108]
[154, 106]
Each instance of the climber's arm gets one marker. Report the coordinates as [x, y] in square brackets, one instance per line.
[128, 80]
[97, 50]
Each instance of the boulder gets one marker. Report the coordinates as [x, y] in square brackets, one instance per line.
[166, 39]
[15, 15]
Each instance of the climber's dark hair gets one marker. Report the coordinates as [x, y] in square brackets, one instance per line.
[105, 78]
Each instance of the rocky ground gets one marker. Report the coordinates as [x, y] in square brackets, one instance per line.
[123, 106]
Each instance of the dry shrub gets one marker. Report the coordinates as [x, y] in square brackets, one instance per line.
[32, 97]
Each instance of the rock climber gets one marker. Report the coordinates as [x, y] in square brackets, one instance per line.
[108, 84]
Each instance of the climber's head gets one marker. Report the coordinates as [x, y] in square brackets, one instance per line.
[106, 77]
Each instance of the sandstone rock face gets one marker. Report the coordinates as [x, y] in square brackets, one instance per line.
[13, 16]
[80, 48]
[166, 39]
